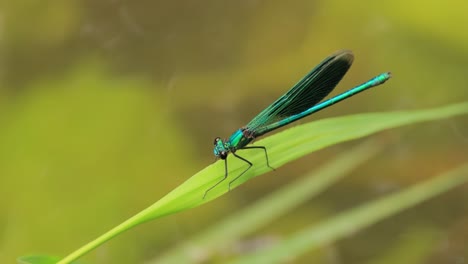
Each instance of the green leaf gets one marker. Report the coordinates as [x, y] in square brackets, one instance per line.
[282, 148]
[270, 207]
[356, 219]
[37, 259]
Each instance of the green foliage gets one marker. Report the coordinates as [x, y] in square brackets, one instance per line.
[285, 147]
[358, 218]
[38, 260]
[273, 206]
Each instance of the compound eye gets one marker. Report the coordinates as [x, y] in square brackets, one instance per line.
[223, 154]
[216, 140]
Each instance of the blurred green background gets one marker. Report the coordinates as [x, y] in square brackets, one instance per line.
[105, 106]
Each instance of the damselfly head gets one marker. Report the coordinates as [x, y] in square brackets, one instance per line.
[219, 148]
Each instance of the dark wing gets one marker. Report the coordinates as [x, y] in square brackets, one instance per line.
[315, 86]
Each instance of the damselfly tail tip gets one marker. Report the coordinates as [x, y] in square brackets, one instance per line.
[383, 77]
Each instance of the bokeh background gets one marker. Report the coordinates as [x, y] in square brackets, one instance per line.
[105, 106]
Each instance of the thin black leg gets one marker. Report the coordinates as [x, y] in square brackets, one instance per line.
[225, 176]
[248, 162]
[245, 160]
[266, 154]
